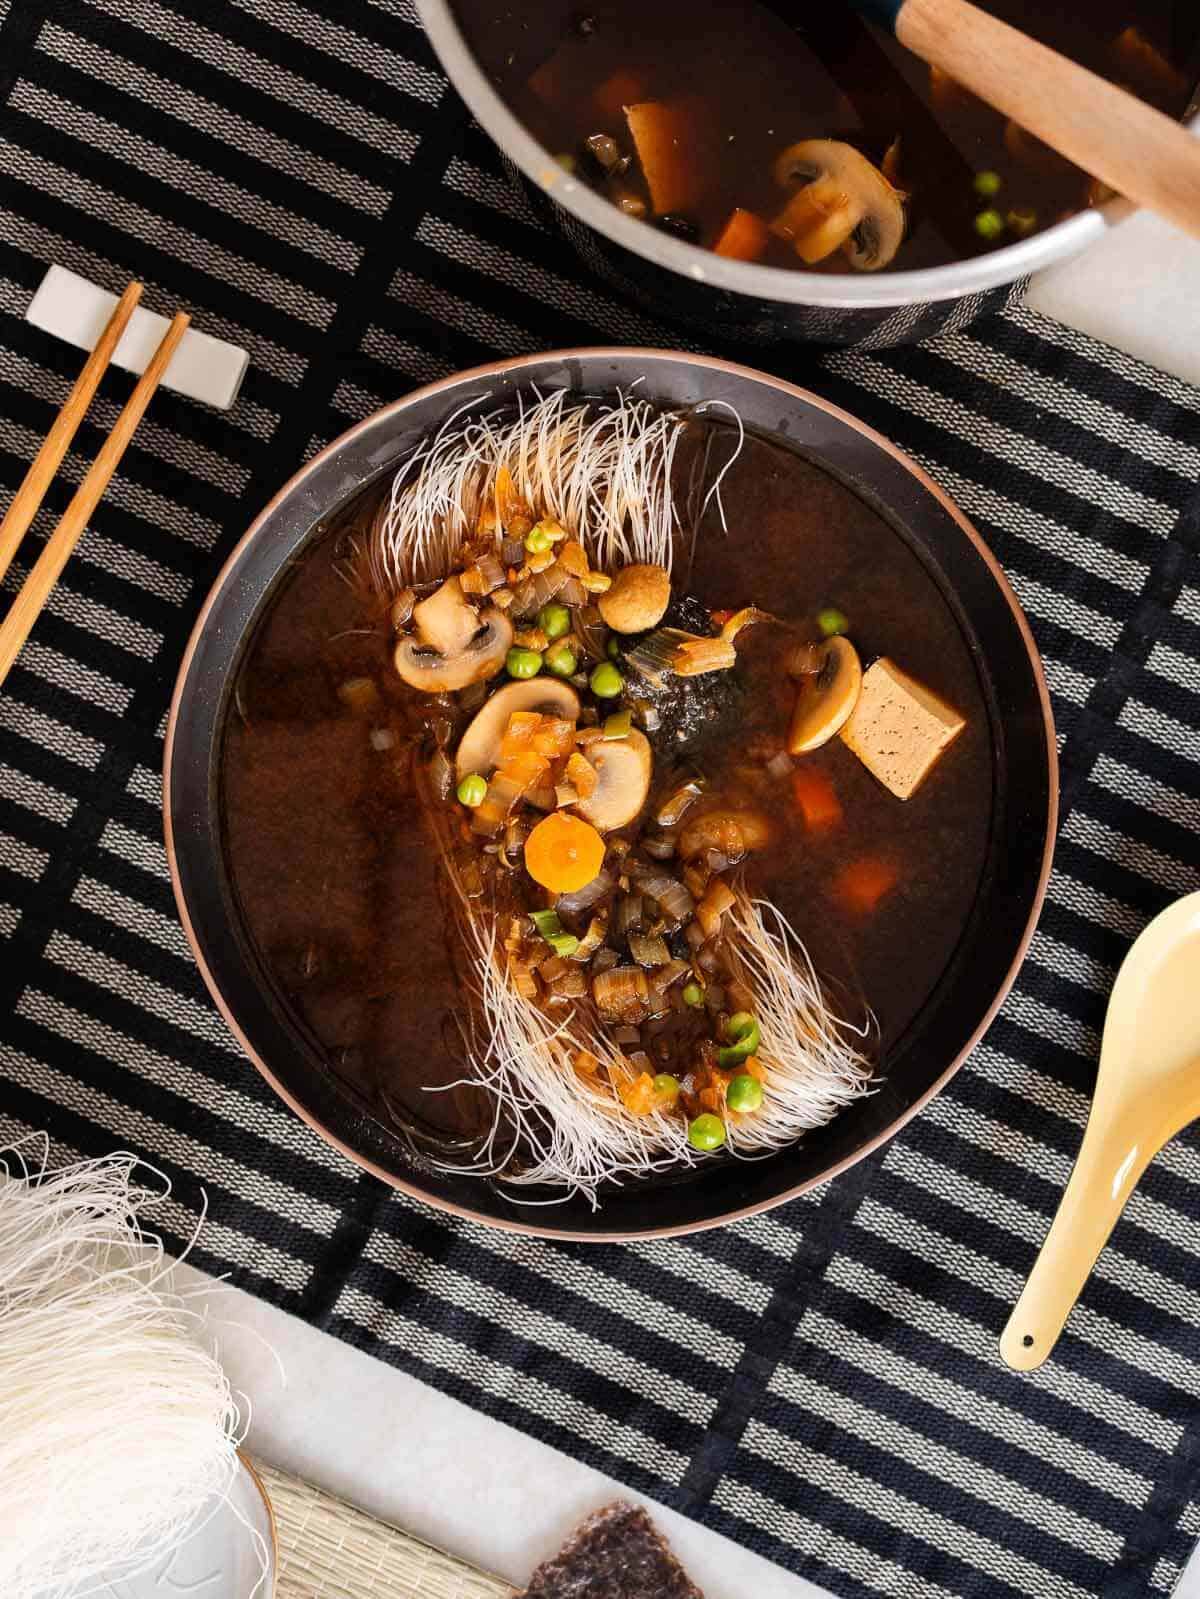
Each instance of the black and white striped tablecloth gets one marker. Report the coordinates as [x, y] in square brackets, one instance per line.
[821, 1383]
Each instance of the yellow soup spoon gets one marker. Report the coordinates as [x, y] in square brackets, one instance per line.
[1147, 1090]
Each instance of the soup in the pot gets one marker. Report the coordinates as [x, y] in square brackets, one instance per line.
[809, 142]
[608, 796]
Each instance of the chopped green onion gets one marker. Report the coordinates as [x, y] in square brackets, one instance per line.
[989, 224]
[618, 725]
[561, 660]
[613, 648]
[666, 1086]
[833, 622]
[538, 540]
[606, 682]
[522, 663]
[554, 620]
[988, 184]
[693, 994]
[744, 1093]
[564, 944]
[706, 1132]
[472, 789]
[546, 922]
[1022, 220]
[742, 1029]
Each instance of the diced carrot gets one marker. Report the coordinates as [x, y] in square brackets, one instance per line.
[586, 1064]
[582, 775]
[553, 736]
[665, 135]
[518, 735]
[526, 769]
[744, 237]
[573, 558]
[618, 91]
[816, 799]
[638, 1096]
[861, 885]
[753, 1067]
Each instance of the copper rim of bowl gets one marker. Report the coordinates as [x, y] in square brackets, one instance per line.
[601, 352]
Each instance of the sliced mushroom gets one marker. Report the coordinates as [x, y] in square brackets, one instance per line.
[637, 599]
[844, 203]
[733, 831]
[479, 747]
[445, 620]
[623, 766]
[829, 680]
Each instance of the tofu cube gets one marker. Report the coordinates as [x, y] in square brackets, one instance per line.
[899, 728]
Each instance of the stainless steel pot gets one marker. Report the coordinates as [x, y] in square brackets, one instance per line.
[739, 300]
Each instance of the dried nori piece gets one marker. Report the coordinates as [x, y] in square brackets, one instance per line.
[614, 1554]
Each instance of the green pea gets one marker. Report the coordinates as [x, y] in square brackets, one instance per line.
[560, 660]
[742, 1030]
[988, 184]
[606, 682]
[613, 648]
[989, 224]
[706, 1132]
[522, 663]
[554, 620]
[744, 1093]
[831, 621]
[666, 1086]
[472, 789]
[538, 540]
[693, 994]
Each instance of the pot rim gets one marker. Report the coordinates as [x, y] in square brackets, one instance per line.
[839, 291]
[793, 392]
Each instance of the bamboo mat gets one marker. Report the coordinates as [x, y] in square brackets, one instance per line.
[329, 1549]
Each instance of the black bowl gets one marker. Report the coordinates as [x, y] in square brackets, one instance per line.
[992, 943]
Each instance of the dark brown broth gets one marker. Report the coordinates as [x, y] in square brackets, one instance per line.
[765, 84]
[335, 874]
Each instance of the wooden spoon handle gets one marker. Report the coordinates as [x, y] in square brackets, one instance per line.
[1133, 148]
[1110, 1162]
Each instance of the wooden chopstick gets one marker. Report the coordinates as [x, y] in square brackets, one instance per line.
[48, 459]
[35, 590]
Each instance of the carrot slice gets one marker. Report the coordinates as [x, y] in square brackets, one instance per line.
[815, 799]
[861, 885]
[664, 135]
[615, 93]
[744, 237]
[563, 853]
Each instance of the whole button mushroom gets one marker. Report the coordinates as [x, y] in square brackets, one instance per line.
[637, 599]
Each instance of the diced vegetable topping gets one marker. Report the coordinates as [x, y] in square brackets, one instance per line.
[742, 1031]
[561, 660]
[606, 682]
[693, 994]
[472, 789]
[618, 725]
[554, 620]
[522, 663]
[706, 1132]
[831, 621]
[744, 1094]
[546, 922]
[744, 237]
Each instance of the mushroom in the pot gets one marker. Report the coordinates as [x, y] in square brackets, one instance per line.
[454, 644]
[637, 599]
[623, 767]
[479, 747]
[828, 682]
[843, 203]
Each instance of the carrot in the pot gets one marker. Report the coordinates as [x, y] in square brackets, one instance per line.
[616, 92]
[665, 137]
[744, 237]
[861, 885]
[816, 799]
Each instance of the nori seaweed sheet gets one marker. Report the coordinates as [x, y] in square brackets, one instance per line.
[614, 1554]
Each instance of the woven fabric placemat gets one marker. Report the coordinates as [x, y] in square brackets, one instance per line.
[821, 1383]
[328, 1549]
